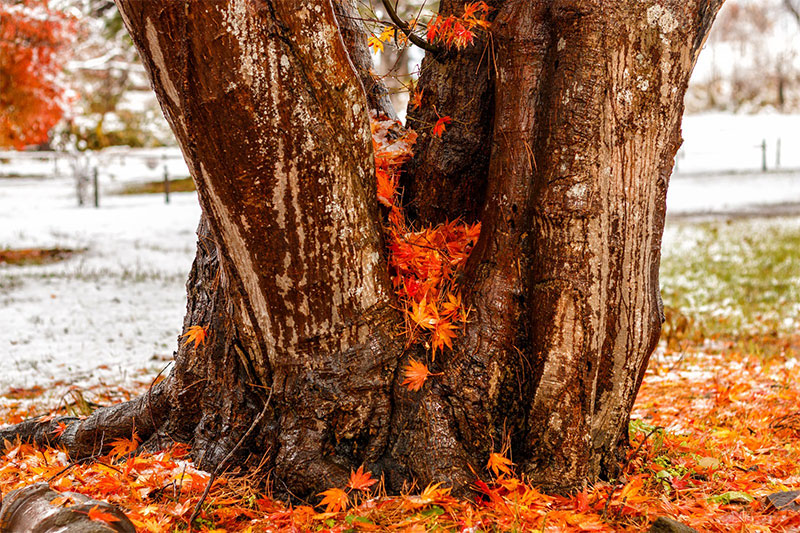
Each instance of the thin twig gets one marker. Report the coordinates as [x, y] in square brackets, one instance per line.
[403, 26]
[222, 463]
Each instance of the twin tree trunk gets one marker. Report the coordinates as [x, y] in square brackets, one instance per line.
[566, 121]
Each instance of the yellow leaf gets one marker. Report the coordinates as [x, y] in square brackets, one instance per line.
[375, 43]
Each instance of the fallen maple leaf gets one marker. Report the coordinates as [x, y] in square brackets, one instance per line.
[101, 516]
[197, 334]
[387, 187]
[360, 480]
[334, 500]
[121, 447]
[499, 463]
[443, 335]
[416, 374]
[422, 314]
[432, 494]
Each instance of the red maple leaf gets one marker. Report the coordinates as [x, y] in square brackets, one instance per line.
[416, 100]
[441, 125]
[416, 374]
[334, 500]
[60, 429]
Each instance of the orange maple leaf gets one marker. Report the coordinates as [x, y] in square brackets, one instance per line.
[416, 100]
[416, 374]
[101, 516]
[432, 494]
[441, 125]
[452, 305]
[499, 463]
[443, 335]
[387, 187]
[60, 429]
[197, 334]
[360, 480]
[334, 500]
[122, 447]
[422, 315]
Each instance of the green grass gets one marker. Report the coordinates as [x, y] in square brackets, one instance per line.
[732, 278]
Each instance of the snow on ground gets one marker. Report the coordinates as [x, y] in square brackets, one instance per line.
[715, 142]
[764, 194]
[105, 313]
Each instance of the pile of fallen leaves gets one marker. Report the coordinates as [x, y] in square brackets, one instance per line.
[34, 256]
[714, 432]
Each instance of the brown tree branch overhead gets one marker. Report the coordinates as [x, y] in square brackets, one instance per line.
[794, 8]
[564, 130]
[403, 26]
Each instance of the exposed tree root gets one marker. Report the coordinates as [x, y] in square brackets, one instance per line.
[92, 436]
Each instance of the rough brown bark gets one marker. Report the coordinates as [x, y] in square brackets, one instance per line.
[446, 179]
[564, 280]
[355, 35]
[294, 220]
[290, 277]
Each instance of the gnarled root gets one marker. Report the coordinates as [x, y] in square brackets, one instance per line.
[92, 436]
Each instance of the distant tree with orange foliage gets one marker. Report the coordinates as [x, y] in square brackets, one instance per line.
[33, 39]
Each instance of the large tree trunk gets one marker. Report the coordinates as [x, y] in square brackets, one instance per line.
[578, 122]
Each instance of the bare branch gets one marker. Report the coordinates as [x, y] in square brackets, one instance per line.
[794, 8]
[403, 26]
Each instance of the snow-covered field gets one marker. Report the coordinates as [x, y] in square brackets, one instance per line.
[106, 312]
[116, 307]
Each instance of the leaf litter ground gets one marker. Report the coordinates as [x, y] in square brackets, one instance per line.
[715, 429]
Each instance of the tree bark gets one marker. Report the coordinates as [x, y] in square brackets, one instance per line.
[301, 308]
[446, 179]
[355, 35]
[583, 108]
[564, 280]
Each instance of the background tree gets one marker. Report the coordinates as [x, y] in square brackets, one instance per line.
[752, 60]
[567, 122]
[33, 39]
